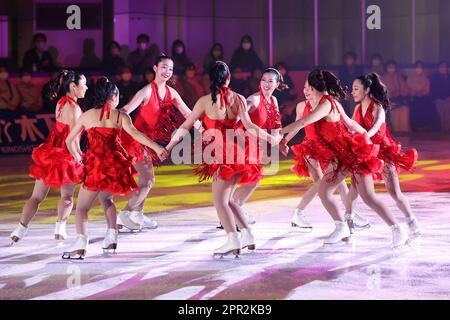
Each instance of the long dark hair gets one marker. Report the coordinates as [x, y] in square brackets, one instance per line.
[218, 74]
[281, 85]
[60, 85]
[104, 91]
[377, 90]
[323, 80]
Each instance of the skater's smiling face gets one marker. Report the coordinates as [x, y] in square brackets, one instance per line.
[358, 91]
[307, 90]
[269, 82]
[163, 69]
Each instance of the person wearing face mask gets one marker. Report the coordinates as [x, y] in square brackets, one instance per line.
[245, 57]
[9, 97]
[89, 60]
[112, 62]
[376, 65]
[127, 86]
[38, 59]
[144, 55]
[29, 93]
[440, 93]
[215, 54]
[192, 90]
[180, 58]
[423, 113]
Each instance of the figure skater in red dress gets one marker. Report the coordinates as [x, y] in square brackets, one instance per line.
[52, 165]
[161, 111]
[108, 168]
[263, 111]
[220, 112]
[372, 96]
[343, 152]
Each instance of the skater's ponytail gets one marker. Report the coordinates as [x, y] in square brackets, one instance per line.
[281, 84]
[323, 80]
[377, 90]
[104, 91]
[60, 86]
[218, 74]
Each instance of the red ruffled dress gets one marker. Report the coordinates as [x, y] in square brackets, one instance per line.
[51, 161]
[390, 150]
[266, 116]
[108, 167]
[157, 119]
[249, 173]
[334, 144]
[307, 148]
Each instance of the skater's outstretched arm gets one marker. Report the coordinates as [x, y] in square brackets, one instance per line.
[379, 119]
[142, 95]
[351, 124]
[184, 109]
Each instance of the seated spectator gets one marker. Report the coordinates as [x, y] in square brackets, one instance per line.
[37, 58]
[440, 94]
[376, 65]
[348, 72]
[147, 77]
[30, 95]
[245, 57]
[9, 97]
[423, 113]
[239, 83]
[145, 55]
[54, 53]
[192, 89]
[289, 95]
[127, 87]
[398, 94]
[215, 54]
[180, 58]
[206, 83]
[112, 62]
[254, 80]
[89, 60]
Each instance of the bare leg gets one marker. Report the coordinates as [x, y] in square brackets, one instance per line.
[393, 187]
[353, 195]
[243, 193]
[222, 194]
[365, 187]
[65, 204]
[146, 180]
[107, 201]
[326, 190]
[30, 208]
[316, 174]
[84, 203]
[235, 206]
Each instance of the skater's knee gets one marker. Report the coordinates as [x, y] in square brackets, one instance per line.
[36, 199]
[67, 201]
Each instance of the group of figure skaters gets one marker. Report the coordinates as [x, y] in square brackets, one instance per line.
[335, 147]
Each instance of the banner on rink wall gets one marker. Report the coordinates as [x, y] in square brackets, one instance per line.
[21, 132]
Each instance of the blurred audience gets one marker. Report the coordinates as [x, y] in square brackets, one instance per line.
[112, 62]
[145, 55]
[245, 56]
[9, 97]
[191, 88]
[89, 60]
[440, 92]
[215, 54]
[376, 64]
[147, 77]
[30, 94]
[38, 58]
[180, 58]
[348, 72]
[127, 86]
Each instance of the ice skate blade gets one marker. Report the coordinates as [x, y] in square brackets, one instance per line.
[59, 237]
[220, 255]
[74, 255]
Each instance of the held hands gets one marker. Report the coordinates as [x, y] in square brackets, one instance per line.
[275, 139]
[284, 149]
[162, 153]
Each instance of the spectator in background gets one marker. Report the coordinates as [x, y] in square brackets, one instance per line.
[9, 97]
[206, 83]
[147, 77]
[30, 95]
[396, 85]
[245, 57]
[145, 55]
[423, 113]
[54, 53]
[286, 98]
[37, 59]
[348, 72]
[112, 62]
[255, 80]
[191, 88]
[89, 60]
[180, 58]
[440, 93]
[215, 54]
[127, 87]
[239, 82]
[376, 65]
